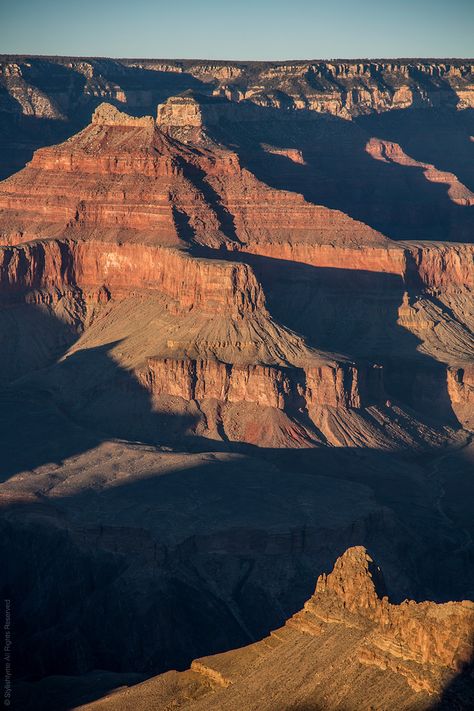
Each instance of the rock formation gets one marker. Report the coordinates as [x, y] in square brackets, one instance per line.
[393, 153]
[345, 88]
[118, 270]
[124, 182]
[136, 183]
[348, 648]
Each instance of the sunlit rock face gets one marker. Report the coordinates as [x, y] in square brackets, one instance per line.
[341, 88]
[123, 178]
[347, 631]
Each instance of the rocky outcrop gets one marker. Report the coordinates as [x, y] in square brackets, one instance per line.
[115, 271]
[348, 648]
[123, 178]
[415, 640]
[108, 115]
[194, 110]
[444, 266]
[291, 389]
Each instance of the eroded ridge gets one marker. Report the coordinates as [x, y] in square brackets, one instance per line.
[348, 648]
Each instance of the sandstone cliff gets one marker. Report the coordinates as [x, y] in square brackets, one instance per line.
[345, 88]
[226, 335]
[123, 178]
[348, 648]
[270, 386]
[111, 270]
[141, 191]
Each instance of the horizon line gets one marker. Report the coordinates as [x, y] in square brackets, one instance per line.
[239, 61]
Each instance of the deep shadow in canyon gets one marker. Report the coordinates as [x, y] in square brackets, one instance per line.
[337, 171]
[354, 313]
[91, 591]
[440, 137]
[458, 695]
[147, 573]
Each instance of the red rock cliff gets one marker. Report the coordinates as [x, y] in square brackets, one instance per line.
[334, 385]
[122, 178]
[208, 286]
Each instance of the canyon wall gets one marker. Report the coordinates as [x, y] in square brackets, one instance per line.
[184, 303]
[291, 389]
[114, 270]
[42, 271]
[343, 88]
[430, 265]
[444, 266]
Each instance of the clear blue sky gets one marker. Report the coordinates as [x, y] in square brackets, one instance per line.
[239, 29]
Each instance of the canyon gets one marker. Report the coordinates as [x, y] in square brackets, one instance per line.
[237, 338]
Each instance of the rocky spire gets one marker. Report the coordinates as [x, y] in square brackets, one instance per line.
[356, 580]
[411, 639]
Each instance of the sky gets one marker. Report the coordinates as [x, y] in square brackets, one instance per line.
[238, 29]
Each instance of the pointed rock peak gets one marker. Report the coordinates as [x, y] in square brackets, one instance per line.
[108, 115]
[355, 580]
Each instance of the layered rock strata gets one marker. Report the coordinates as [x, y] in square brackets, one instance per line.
[342, 88]
[270, 386]
[116, 270]
[123, 178]
[215, 309]
[143, 191]
[348, 647]
[110, 329]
